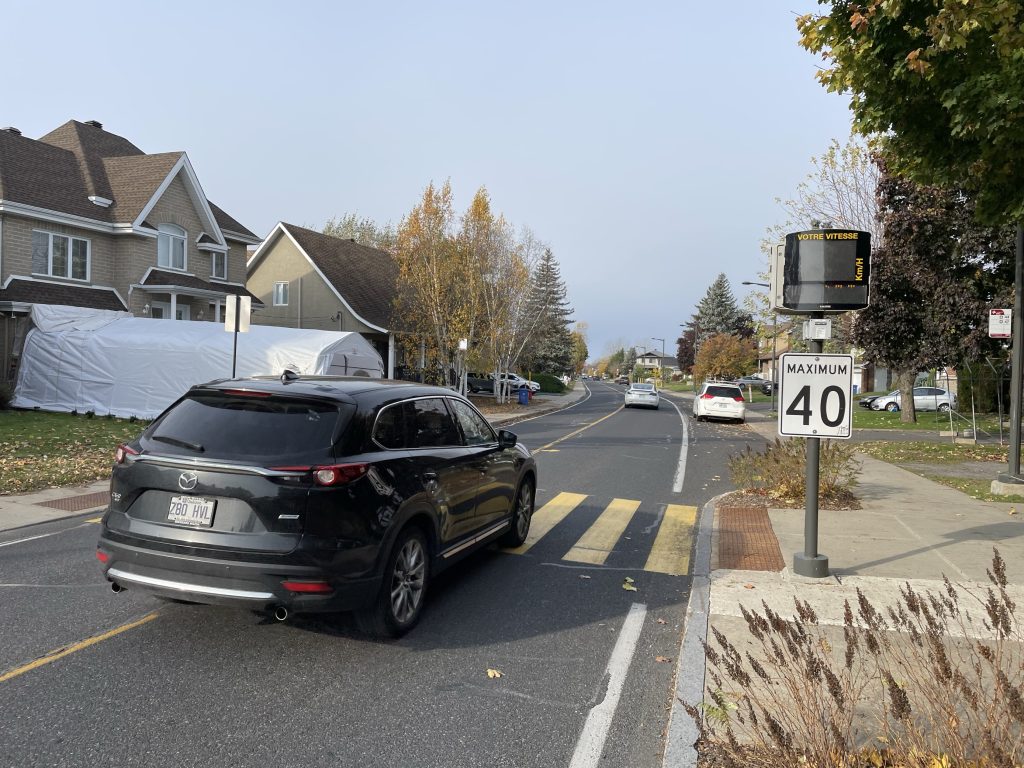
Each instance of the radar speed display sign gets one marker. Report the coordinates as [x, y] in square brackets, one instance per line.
[815, 395]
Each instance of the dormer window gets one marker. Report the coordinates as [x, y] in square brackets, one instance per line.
[170, 247]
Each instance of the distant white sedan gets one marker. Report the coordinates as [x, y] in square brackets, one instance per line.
[644, 395]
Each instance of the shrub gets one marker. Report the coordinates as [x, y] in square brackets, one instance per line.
[946, 687]
[6, 395]
[780, 470]
[549, 383]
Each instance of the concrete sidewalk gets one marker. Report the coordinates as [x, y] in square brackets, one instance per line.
[908, 530]
[19, 510]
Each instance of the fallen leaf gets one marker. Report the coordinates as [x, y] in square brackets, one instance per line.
[493, 673]
[662, 659]
[1013, 511]
[628, 587]
[584, 576]
[748, 586]
[661, 621]
[629, 580]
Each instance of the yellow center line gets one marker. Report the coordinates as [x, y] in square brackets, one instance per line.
[581, 429]
[67, 650]
[94, 520]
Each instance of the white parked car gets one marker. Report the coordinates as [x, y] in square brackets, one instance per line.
[719, 400]
[644, 395]
[515, 382]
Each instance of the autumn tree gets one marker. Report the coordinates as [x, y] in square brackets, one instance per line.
[686, 347]
[433, 299]
[932, 282]
[363, 230]
[942, 81]
[579, 348]
[723, 356]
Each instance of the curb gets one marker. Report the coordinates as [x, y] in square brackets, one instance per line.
[681, 732]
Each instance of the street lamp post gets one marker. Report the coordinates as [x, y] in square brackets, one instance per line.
[661, 361]
[775, 341]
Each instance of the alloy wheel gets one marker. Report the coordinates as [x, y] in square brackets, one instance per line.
[407, 580]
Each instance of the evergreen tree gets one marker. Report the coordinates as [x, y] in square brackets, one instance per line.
[551, 350]
[717, 312]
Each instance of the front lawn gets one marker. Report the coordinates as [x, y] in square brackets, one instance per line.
[45, 450]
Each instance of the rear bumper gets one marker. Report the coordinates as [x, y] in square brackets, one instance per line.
[257, 585]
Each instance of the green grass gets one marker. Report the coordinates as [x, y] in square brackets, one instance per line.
[976, 489]
[45, 450]
[927, 452]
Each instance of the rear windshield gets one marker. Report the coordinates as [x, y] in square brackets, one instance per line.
[724, 391]
[643, 387]
[242, 428]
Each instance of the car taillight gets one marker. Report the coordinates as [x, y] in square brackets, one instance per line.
[102, 556]
[122, 453]
[739, 399]
[308, 587]
[333, 474]
[706, 396]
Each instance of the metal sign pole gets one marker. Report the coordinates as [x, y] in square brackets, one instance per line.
[810, 562]
[238, 316]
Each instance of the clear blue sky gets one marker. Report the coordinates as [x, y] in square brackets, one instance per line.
[644, 142]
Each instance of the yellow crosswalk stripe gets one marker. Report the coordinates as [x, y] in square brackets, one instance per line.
[547, 517]
[671, 551]
[597, 543]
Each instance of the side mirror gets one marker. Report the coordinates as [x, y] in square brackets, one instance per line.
[507, 439]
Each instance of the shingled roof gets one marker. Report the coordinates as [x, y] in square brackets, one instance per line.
[159, 277]
[39, 292]
[366, 277]
[61, 170]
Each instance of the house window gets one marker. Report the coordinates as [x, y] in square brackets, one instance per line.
[219, 269]
[280, 294]
[60, 255]
[170, 247]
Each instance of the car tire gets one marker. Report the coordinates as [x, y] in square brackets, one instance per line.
[892, 407]
[522, 514]
[399, 603]
[943, 407]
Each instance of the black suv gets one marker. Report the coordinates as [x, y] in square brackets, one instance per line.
[312, 494]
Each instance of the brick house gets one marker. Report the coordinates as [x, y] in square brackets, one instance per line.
[306, 279]
[88, 219]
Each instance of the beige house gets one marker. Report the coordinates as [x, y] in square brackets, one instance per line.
[88, 219]
[305, 279]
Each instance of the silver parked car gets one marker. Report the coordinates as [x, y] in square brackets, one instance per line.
[925, 399]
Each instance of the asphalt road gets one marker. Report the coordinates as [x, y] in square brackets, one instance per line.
[581, 680]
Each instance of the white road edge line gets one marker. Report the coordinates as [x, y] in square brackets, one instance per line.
[559, 410]
[677, 482]
[599, 721]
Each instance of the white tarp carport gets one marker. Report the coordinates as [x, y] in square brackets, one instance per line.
[111, 362]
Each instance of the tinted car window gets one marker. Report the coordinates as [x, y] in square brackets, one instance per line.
[643, 387]
[432, 424]
[246, 428]
[474, 428]
[389, 430]
[724, 391]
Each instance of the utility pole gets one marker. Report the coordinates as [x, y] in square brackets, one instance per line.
[661, 361]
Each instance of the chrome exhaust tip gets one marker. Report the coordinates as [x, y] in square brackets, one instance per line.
[115, 587]
[281, 613]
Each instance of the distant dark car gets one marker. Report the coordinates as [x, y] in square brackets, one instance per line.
[767, 387]
[312, 494]
[479, 382]
[622, 380]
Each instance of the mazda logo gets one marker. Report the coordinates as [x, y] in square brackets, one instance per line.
[187, 480]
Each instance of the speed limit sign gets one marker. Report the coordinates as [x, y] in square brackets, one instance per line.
[815, 395]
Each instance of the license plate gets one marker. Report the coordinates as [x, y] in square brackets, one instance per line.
[191, 510]
[722, 405]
